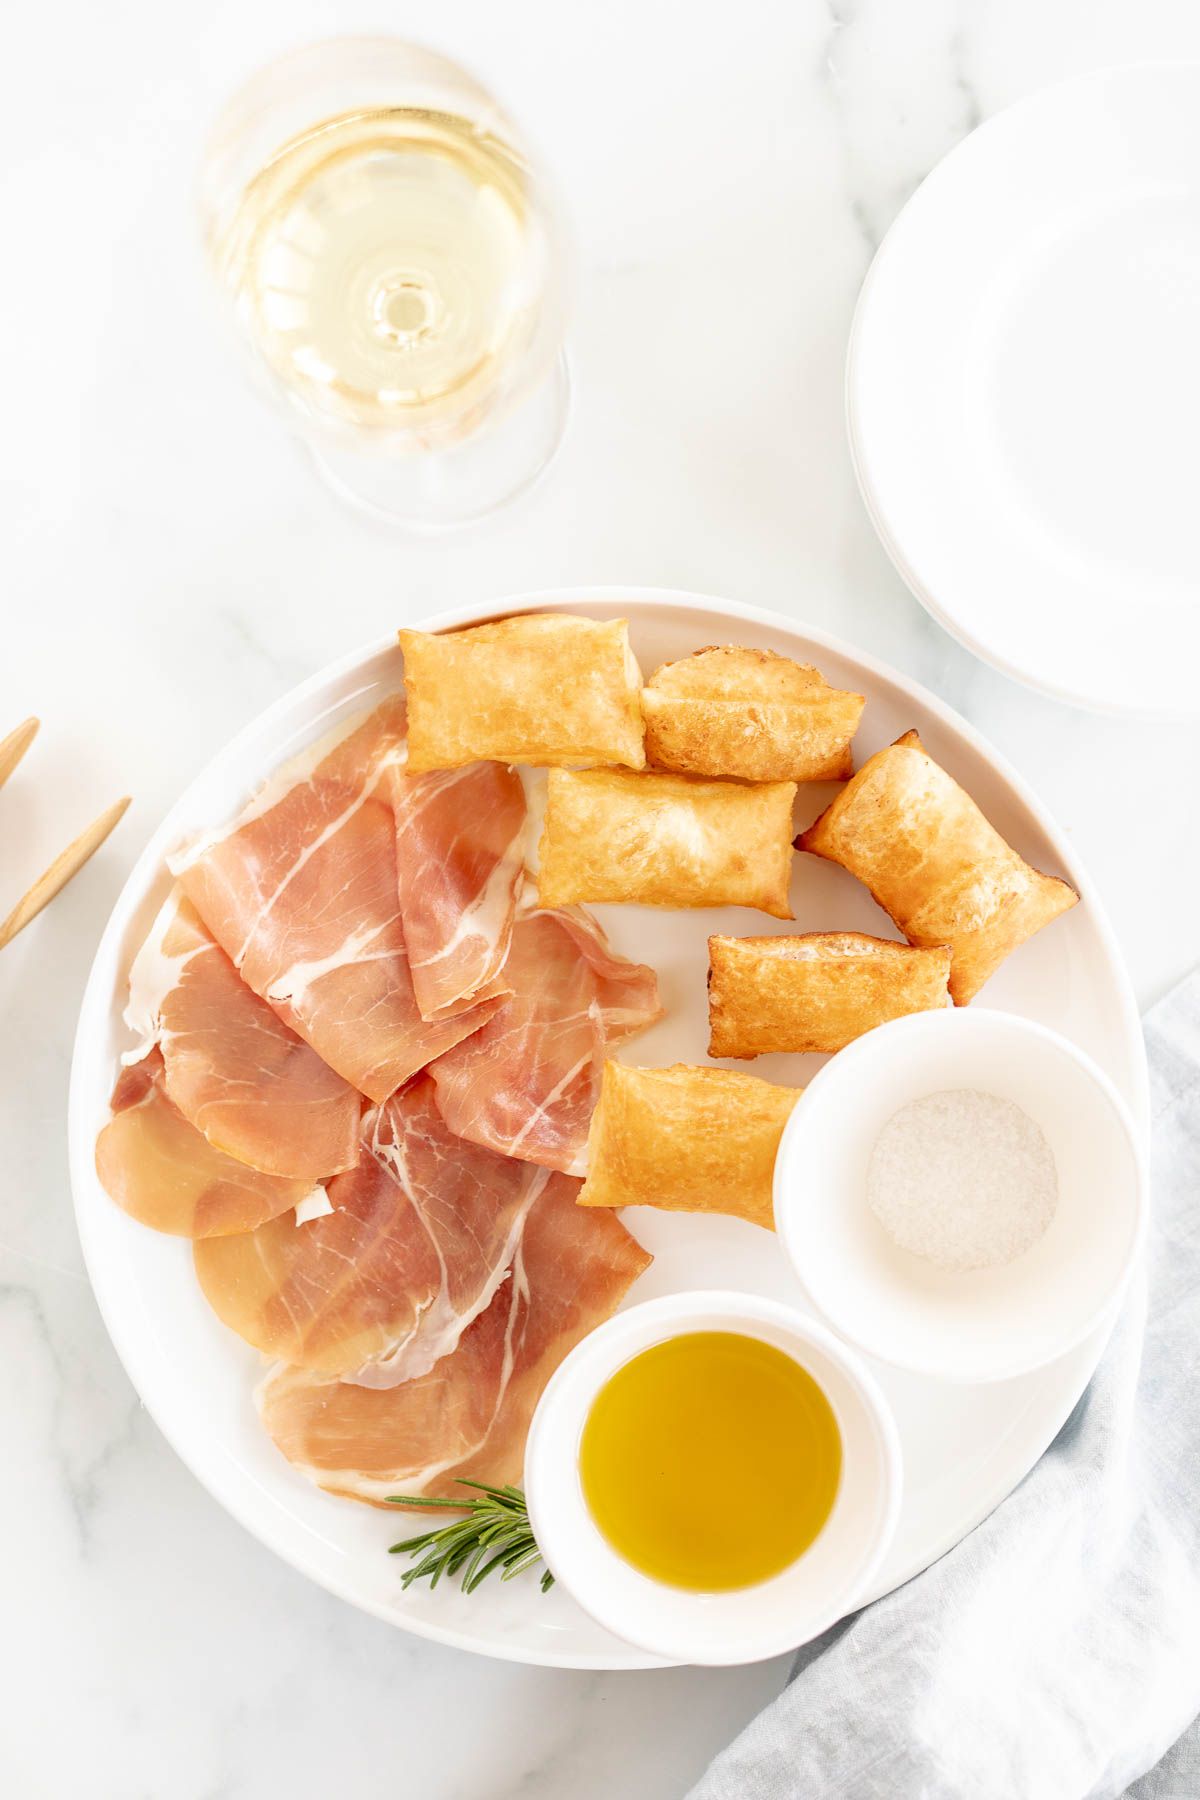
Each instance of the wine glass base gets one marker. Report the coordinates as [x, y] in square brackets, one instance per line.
[437, 490]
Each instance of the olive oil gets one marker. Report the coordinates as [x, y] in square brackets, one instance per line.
[711, 1461]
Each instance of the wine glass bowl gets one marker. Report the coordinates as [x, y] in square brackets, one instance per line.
[394, 264]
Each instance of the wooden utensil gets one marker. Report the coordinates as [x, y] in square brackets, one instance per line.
[69, 861]
[14, 746]
[65, 865]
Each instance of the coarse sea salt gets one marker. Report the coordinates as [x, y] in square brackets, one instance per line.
[964, 1179]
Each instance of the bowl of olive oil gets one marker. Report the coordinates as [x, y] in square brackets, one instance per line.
[714, 1477]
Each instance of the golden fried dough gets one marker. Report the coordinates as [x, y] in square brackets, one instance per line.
[816, 992]
[751, 714]
[690, 1140]
[932, 861]
[666, 840]
[543, 688]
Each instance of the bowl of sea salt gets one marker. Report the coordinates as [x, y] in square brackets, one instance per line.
[962, 1193]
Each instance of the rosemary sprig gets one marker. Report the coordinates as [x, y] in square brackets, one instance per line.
[495, 1534]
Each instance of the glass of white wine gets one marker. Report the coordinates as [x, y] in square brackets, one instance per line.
[396, 268]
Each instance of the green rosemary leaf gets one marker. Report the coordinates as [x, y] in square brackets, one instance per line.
[519, 1560]
[426, 1499]
[478, 1570]
[491, 1532]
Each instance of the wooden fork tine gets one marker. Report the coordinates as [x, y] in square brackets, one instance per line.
[67, 864]
[14, 746]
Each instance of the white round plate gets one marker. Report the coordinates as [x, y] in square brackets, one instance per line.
[1023, 385]
[964, 1448]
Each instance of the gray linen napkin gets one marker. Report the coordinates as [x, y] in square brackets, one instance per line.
[1055, 1653]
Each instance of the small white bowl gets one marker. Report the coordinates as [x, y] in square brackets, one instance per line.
[744, 1624]
[982, 1324]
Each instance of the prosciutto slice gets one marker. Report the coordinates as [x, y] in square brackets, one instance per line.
[526, 1082]
[414, 1243]
[165, 1173]
[301, 892]
[469, 1415]
[230, 1065]
[460, 854]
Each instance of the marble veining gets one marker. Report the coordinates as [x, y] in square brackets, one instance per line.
[171, 565]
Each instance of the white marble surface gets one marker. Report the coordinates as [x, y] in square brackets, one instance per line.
[170, 565]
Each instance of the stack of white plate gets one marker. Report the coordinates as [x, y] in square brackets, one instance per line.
[1023, 391]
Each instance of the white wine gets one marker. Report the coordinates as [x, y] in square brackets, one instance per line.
[384, 264]
[396, 267]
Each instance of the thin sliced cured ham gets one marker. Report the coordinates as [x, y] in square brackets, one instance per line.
[419, 1238]
[301, 892]
[469, 1416]
[526, 1082]
[230, 1065]
[460, 856]
[166, 1174]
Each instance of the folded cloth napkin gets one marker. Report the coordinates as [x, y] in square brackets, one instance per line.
[1055, 1653]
